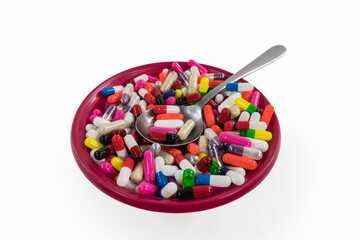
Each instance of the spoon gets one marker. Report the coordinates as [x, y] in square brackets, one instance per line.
[146, 120]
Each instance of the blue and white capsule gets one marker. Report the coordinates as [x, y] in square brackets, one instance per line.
[236, 177]
[212, 180]
[239, 87]
[111, 90]
[161, 179]
[169, 190]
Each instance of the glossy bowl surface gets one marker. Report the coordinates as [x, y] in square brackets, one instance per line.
[219, 197]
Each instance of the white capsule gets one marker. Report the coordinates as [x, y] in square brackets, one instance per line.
[169, 190]
[258, 125]
[195, 70]
[131, 186]
[185, 164]
[219, 98]
[244, 116]
[129, 119]
[159, 164]
[128, 130]
[142, 77]
[169, 123]
[169, 170]
[229, 102]
[90, 127]
[92, 152]
[236, 169]
[184, 90]
[169, 159]
[123, 177]
[219, 181]
[255, 117]
[179, 177]
[93, 134]
[98, 121]
[236, 178]
[143, 105]
[130, 141]
[235, 111]
[259, 144]
[165, 70]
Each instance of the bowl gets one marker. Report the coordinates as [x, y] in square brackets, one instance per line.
[219, 197]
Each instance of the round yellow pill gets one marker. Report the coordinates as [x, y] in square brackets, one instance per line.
[178, 93]
[201, 155]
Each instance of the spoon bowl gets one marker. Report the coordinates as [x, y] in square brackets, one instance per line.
[194, 112]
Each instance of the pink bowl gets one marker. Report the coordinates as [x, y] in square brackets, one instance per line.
[100, 180]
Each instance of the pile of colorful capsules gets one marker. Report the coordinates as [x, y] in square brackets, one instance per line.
[234, 137]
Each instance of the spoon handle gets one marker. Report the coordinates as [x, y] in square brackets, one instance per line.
[264, 59]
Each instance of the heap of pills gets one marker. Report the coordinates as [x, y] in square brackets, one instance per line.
[233, 140]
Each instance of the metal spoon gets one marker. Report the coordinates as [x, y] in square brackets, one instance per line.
[194, 112]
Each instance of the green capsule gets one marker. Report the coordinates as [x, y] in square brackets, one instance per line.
[188, 178]
[215, 169]
[250, 133]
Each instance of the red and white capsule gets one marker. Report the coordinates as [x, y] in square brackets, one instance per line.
[149, 98]
[158, 109]
[125, 172]
[119, 146]
[133, 146]
[251, 125]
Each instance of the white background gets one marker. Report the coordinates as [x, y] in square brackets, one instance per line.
[53, 53]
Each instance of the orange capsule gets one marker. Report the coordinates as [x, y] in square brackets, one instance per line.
[162, 77]
[216, 129]
[168, 116]
[267, 114]
[247, 95]
[193, 148]
[149, 87]
[239, 161]
[215, 83]
[172, 151]
[209, 116]
[150, 106]
[115, 97]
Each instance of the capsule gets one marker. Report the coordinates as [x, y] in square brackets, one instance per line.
[163, 137]
[111, 90]
[125, 171]
[119, 115]
[169, 190]
[204, 164]
[247, 95]
[139, 84]
[192, 84]
[236, 178]
[112, 126]
[239, 161]
[212, 180]
[104, 152]
[163, 75]
[193, 148]
[119, 146]
[186, 129]
[234, 139]
[163, 129]
[158, 109]
[244, 116]
[228, 126]
[170, 170]
[215, 168]
[149, 167]
[267, 114]
[188, 99]
[146, 188]
[255, 117]
[245, 105]
[214, 152]
[244, 151]
[167, 157]
[161, 179]
[179, 177]
[193, 159]
[92, 152]
[117, 163]
[94, 134]
[176, 85]
[212, 136]
[183, 163]
[204, 86]
[109, 113]
[250, 125]
[138, 172]
[239, 87]
[229, 102]
[202, 70]
[216, 129]
[170, 101]
[224, 116]
[107, 169]
[114, 98]
[236, 169]
[188, 178]
[257, 134]
[135, 99]
[169, 123]
[170, 93]
[158, 96]
[194, 192]
[216, 76]
[137, 111]
[146, 78]
[213, 104]
[168, 116]
[149, 98]
[125, 97]
[182, 75]
[255, 98]
[171, 78]
[202, 143]
[133, 146]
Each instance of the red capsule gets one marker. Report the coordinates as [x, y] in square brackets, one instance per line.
[135, 134]
[228, 126]
[172, 151]
[224, 115]
[129, 162]
[213, 104]
[179, 158]
[204, 164]
[149, 87]
[188, 99]
[176, 85]
[118, 142]
[156, 92]
[137, 111]
[163, 137]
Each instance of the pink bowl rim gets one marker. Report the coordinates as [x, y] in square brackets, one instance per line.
[154, 203]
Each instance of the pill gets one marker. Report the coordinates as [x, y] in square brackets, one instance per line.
[125, 97]
[125, 172]
[212, 136]
[119, 146]
[188, 99]
[239, 161]
[204, 86]
[163, 137]
[229, 102]
[255, 98]
[243, 151]
[161, 179]
[165, 109]
[164, 129]
[116, 163]
[169, 123]
[137, 174]
[255, 117]
[257, 134]
[149, 167]
[212, 180]
[245, 105]
[234, 139]
[146, 188]
[106, 168]
[167, 116]
[209, 116]
[92, 143]
[186, 129]
[193, 148]
[148, 97]
[169, 190]
[133, 146]
[250, 125]
[183, 163]
[171, 78]
[202, 70]
[239, 87]
[188, 178]
[236, 178]
[111, 90]
[267, 114]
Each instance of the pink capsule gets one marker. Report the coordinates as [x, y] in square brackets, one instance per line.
[149, 167]
[164, 129]
[202, 70]
[170, 101]
[119, 114]
[106, 168]
[177, 67]
[234, 139]
[255, 98]
[97, 112]
[139, 84]
[146, 188]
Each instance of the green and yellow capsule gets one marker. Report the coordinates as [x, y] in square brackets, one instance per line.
[245, 105]
[257, 134]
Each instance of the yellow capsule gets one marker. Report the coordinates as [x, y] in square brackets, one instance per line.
[178, 93]
[201, 155]
[92, 143]
[186, 129]
[169, 81]
[204, 86]
[117, 163]
[263, 135]
[192, 84]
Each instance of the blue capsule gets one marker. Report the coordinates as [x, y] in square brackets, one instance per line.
[232, 87]
[111, 90]
[161, 180]
[202, 179]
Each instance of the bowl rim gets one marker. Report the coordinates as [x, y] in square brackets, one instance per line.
[155, 203]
